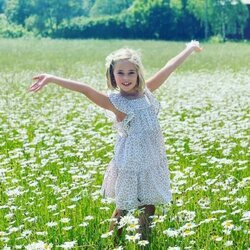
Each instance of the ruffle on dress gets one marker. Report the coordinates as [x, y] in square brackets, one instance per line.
[130, 190]
[121, 103]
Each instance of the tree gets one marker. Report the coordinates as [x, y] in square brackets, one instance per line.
[42, 16]
[224, 17]
[87, 6]
[230, 18]
[17, 11]
[109, 7]
[2, 2]
[187, 26]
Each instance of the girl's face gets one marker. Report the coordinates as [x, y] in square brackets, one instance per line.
[125, 74]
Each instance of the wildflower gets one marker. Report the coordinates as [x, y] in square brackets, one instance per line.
[40, 245]
[41, 233]
[237, 228]
[127, 219]
[132, 227]
[71, 206]
[171, 233]
[104, 208]
[209, 219]
[218, 212]
[84, 224]
[26, 233]
[227, 231]
[204, 203]
[216, 238]
[133, 237]
[228, 224]
[187, 232]
[245, 216]
[18, 247]
[118, 248]
[106, 235]
[242, 200]
[51, 224]
[236, 211]
[159, 219]
[189, 225]
[186, 215]
[52, 207]
[68, 245]
[174, 248]
[2, 233]
[228, 243]
[89, 217]
[143, 242]
[65, 220]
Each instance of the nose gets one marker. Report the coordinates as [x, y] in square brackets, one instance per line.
[125, 77]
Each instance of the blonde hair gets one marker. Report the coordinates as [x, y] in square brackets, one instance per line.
[124, 54]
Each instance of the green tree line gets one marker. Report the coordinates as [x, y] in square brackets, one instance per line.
[145, 19]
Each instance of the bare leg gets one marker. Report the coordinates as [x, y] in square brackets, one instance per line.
[113, 224]
[145, 221]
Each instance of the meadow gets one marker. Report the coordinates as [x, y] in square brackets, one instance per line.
[55, 146]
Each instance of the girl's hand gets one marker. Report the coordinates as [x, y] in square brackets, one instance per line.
[195, 45]
[41, 81]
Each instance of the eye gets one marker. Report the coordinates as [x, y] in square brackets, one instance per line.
[131, 73]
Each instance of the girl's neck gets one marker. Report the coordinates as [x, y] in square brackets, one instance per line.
[132, 95]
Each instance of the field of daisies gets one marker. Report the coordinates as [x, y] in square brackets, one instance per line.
[55, 146]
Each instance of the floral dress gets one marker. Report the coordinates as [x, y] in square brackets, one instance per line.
[138, 174]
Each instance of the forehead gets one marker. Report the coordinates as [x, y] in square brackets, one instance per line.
[124, 65]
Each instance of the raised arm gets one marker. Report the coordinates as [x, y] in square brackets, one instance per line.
[95, 96]
[161, 76]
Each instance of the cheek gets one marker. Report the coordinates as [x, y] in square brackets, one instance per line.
[118, 78]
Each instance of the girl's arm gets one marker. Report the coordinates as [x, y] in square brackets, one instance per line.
[161, 76]
[95, 96]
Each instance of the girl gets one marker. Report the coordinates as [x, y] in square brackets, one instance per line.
[138, 175]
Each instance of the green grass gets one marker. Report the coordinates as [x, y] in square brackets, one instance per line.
[55, 146]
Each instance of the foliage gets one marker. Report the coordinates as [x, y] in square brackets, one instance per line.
[109, 7]
[42, 16]
[147, 19]
[144, 19]
[227, 17]
[10, 30]
[102, 27]
[2, 6]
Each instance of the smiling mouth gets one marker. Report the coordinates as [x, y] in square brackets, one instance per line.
[126, 83]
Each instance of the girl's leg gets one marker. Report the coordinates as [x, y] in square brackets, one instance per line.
[145, 221]
[113, 223]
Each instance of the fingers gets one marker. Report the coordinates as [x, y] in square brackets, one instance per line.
[40, 82]
[36, 86]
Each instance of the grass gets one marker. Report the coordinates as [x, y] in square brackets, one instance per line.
[55, 146]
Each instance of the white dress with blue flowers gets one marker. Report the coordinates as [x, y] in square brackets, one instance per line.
[138, 174]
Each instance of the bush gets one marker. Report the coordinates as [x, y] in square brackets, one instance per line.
[8, 30]
[216, 39]
[102, 27]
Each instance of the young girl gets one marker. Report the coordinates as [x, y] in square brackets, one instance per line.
[138, 175]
